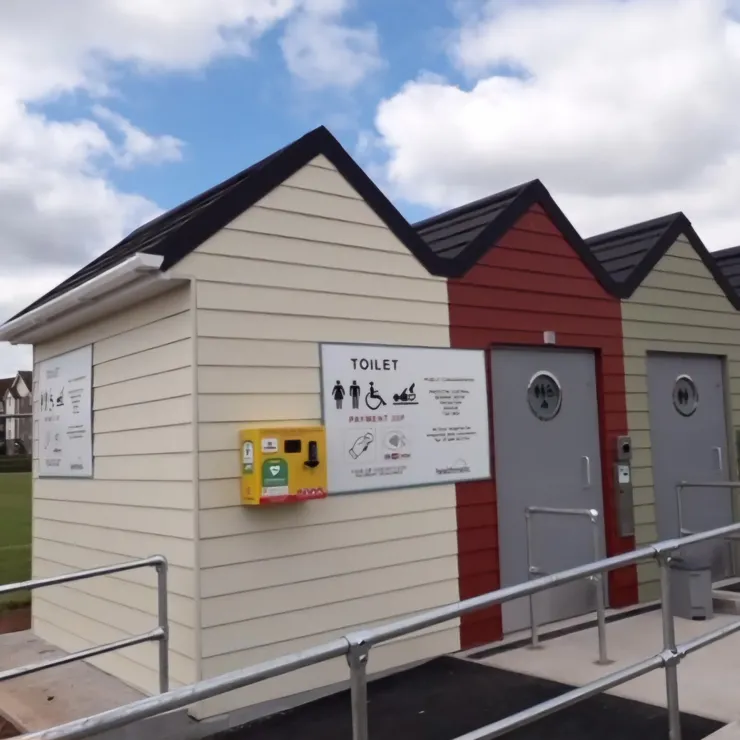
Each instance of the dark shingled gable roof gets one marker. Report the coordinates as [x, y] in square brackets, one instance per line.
[630, 253]
[461, 236]
[450, 233]
[622, 251]
[153, 237]
[728, 261]
[5, 383]
[447, 245]
[175, 234]
[27, 377]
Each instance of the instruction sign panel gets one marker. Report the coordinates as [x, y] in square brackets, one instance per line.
[65, 415]
[404, 416]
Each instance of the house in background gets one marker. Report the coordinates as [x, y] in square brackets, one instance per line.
[5, 383]
[17, 400]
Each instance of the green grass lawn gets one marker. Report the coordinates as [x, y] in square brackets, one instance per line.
[15, 535]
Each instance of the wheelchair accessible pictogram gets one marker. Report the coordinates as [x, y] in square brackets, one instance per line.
[373, 399]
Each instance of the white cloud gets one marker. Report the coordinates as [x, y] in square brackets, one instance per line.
[15, 292]
[138, 147]
[49, 46]
[58, 206]
[322, 52]
[626, 109]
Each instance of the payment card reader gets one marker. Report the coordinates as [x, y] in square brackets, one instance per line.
[623, 487]
[282, 465]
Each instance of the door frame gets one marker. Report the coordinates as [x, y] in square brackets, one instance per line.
[612, 537]
[731, 433]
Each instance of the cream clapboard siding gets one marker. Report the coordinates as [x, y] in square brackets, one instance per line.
[311, 262]
[140, 502]
[678, 308]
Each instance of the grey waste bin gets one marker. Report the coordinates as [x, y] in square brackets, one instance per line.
[691, 584]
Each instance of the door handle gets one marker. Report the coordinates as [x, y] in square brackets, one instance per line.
[718, 450]
[587, 460]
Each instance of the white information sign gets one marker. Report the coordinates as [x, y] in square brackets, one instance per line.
[65, 415]
[404, 416]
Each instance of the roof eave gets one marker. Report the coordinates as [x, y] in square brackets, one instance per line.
[86, 301]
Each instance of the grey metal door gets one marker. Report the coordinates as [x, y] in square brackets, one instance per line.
[688, 435]
[546, 444]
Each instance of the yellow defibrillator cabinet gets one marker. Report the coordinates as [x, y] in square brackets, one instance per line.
[283, 465]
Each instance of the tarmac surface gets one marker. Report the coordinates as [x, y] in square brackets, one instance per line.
[449, 697]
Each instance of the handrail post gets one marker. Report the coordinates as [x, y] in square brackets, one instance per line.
[160, 634]
[599, 586]
[669, 647]
[535, 643]
[597, 579]
[164, 626]
[679, 507]
[357, 657]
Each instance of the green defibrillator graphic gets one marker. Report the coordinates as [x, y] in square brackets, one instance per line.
[274, 477]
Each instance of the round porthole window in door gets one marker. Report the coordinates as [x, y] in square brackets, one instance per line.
[544, 395]
[685, 395]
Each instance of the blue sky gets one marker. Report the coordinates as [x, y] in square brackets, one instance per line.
[237, 110]
[111, 110]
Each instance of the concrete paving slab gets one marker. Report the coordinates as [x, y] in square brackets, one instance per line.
[56, 695]
[708, 679]
[728, 732]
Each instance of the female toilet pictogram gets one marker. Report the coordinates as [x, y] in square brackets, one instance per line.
[338, 394]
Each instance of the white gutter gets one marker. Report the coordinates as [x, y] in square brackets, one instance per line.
[137, 267]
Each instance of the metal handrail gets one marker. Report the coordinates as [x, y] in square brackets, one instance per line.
[356, 647]
[160, 634]
[593, 517]
[731, 484]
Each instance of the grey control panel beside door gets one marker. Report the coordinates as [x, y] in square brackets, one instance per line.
[623, 487]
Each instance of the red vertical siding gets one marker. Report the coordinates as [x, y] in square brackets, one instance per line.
[531, 282]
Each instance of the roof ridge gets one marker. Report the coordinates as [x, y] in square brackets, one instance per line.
[720, 254]
[629, 269]
[666, 220]
[452, 235]
[464, 247]
[461, 209]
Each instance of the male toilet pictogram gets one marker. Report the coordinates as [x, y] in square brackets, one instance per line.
[354, 394]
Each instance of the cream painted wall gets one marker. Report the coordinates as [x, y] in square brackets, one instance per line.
[140, 501]
[311, 262]
[678, 308]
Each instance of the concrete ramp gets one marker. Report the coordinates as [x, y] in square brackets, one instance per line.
[58, 695]
[438, 700]
[708, 678]
[728, 732]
